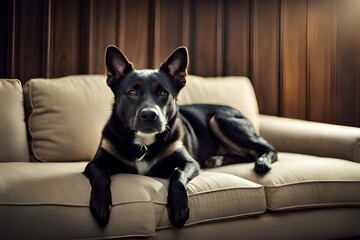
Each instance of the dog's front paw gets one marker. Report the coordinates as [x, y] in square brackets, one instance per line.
[262, 165]
[177, 205]
[100, 206]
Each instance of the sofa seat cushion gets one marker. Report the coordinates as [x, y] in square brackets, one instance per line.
[66, 116]
[43, 200]
[218, 196]
[13, 140]
[299, 181]
[52, 199]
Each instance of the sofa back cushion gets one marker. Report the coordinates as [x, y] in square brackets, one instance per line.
[13, 140]
[66, 116]
[236, 92]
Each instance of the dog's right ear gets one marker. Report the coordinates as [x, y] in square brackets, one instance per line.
[117, 65]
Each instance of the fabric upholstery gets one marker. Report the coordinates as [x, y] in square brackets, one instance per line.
[52, 199]
[236, 92]
[66, 116]
[13, 140]
[298, 181]
[312, 138]
[334, 223]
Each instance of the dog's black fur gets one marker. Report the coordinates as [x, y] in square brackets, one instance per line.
[149, 134]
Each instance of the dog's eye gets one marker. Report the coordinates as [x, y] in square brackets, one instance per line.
[131, 93]
[164, 93]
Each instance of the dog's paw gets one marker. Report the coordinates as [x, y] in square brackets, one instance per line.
[262, 165]
[177, 205]
[100, 207]
[214, 161]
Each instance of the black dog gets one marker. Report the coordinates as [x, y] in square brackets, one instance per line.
[149, 134]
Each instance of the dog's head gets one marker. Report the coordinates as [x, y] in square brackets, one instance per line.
[145, 100]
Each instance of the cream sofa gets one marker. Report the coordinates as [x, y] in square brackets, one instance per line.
[312, 192]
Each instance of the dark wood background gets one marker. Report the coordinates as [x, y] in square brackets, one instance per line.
[302, 56]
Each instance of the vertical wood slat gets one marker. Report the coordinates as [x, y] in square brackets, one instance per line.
[90, 36]
[265, 54]
[134, 31]
[11, 53]
[102, 34]
[48, 38]
[168, 29]
[293, 59]
[237, 38]
[220, 28]
[67, 58]
[319, 38]
[186, 23]
[347, 71]
[4, 29]
[205, 37]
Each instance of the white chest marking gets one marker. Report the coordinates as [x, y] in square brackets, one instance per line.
[142, 166]
[144, 138]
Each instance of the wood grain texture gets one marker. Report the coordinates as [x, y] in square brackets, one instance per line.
[104, 32]
[3, 37]
[303, 57]
[237, 38]
[265, 54]
[319, 56]
[168, 29]
[66, 45]
[134, 32]
[293, 59]
[348, 62]
[204, 33]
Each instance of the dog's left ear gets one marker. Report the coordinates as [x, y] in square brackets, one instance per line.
[176, 65]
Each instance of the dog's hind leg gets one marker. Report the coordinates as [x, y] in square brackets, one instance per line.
[227, 159]
[238, 134]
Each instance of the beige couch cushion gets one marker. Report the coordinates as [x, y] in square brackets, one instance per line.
[13, 140]
[66, 116]
[52, 199]
[236, 92]
[299, 181]
[218, 196]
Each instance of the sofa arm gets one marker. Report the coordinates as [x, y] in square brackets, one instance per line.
[307, 137]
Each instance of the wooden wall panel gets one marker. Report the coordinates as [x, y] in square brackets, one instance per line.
[169, 19]
[348, 59]
[104, 32]
[237, 38]
[3, 36]
[319, 53]
[134, 32]
[303, 56]
[204, 34]
[30, 38]
[265, 54]
[67, 51]
[293, 59]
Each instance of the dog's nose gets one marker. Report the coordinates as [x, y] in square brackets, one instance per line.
[148, 115]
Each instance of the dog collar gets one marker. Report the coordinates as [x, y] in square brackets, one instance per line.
[144, 152]
[109, 147]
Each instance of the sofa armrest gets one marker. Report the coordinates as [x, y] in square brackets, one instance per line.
[307, 137]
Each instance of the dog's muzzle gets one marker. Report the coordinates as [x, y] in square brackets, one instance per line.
[150, 120]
